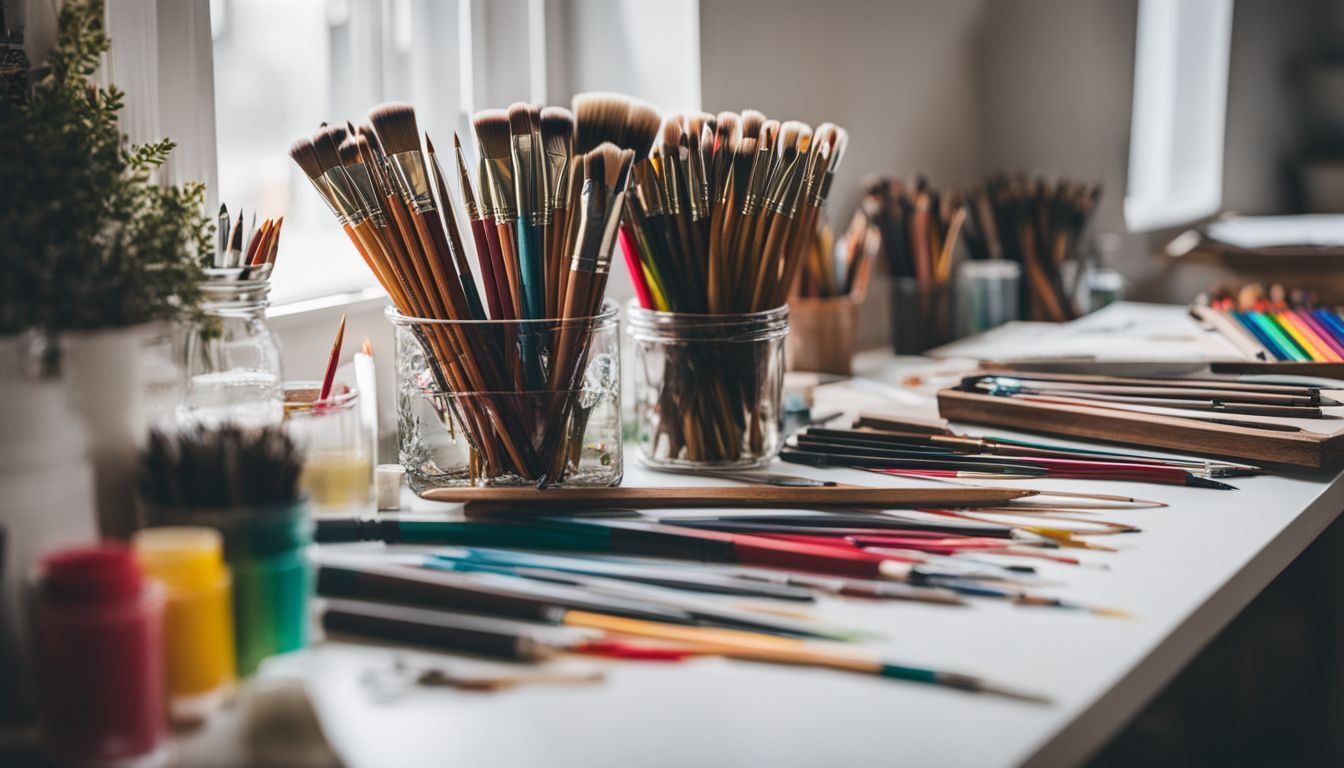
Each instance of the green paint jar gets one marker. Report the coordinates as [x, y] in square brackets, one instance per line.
[267, 550]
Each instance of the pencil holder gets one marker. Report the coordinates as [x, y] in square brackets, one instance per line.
[921, 315]
[708, 388]
[986, 296]
[266, 549]
[559, 424]
[822, 333]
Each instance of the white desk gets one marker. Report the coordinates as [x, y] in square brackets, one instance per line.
[714, 712]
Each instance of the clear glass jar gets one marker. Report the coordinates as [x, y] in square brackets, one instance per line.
[234, 373]
[337, 447]
[708, 389]
[566, 432]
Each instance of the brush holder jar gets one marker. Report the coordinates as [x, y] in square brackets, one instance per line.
[535, 401]
[708, 389]
[234, 373]
[986, 297]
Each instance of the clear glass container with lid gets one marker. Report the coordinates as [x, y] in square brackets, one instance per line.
[234, 372]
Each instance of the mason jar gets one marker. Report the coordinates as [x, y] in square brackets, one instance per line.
[509, 402]
[708, 389]
[233, 366]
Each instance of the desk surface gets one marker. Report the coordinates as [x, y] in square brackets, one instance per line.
[1099, 671]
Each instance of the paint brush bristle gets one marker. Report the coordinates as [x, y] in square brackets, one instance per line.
[327, 143]
[520, 119]
[396, 127]
[599, 117]
[557, 130]
[641, 127]
[492, 132]
[305, 155]
[752, 121]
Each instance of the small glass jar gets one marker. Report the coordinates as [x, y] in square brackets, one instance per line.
[708, 389]
[234, 373]
[337, 447]
[563, 433]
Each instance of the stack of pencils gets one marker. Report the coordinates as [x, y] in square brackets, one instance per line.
[543, 209]
[1040, 225]
[246, 248]
[914, 229]
[922, 455]
[1275, 325]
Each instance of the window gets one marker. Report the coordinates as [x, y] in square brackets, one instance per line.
[1181, 62]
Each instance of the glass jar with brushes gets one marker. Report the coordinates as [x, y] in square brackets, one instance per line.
[336, 444]
[708, 389]
[234, 371]
[564, 429]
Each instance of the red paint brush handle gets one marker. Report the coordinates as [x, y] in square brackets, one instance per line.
[487, 269]
[636, 272]
[505, 293]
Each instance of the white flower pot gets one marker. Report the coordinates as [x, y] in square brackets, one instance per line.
[46, 503]
[104, 379]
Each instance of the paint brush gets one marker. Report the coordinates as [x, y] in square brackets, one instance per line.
[333, 360]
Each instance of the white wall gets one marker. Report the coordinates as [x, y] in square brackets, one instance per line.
[897, 75]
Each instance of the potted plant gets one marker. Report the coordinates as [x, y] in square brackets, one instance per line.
[99, 249]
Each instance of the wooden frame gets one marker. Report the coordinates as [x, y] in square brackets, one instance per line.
[1304, 449]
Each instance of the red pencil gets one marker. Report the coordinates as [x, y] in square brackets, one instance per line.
[330, 376]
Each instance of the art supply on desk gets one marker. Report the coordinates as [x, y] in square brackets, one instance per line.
[824, 310]
[100, 655]
[884, 455]
[1040, 225]
[244, 483]
[1274, 328]
[720, 215]
[767, 496]
[233, 363]
[916, 230]
[544, 260]
[200, 664]
[335, 442]
[1089, 415]
[985, 296]
[387, 486]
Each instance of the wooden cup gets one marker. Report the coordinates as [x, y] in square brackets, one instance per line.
[822, 333]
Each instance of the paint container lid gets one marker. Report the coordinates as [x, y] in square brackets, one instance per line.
[96, 575]
[183, 558]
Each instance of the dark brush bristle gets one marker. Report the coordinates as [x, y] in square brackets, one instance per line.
[752, 121]
[492, 132]
[557, 130]
[395, 125]
[641, 126]
[349, 149]
[599, 117]
[305, 154]
[520, 118]
[327, 142]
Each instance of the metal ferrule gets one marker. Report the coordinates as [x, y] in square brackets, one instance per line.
[483, 185]
[776, 198]
[324, 193]
[818, 180]
[526, 186]
[760, 170]
[413, 176]
[695, 185]
[500, 173]
[648, 188]
[671, 185]
[557, 182]
[615, 204]
[342, 196]
[362, 181]
[591, 226]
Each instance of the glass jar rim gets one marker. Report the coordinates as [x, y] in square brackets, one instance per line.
[607, 316]
[342, 400]
[651, 324]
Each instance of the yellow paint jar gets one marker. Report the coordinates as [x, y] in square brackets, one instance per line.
[198, 621]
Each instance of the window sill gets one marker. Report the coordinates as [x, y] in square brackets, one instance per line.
[291, 314]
